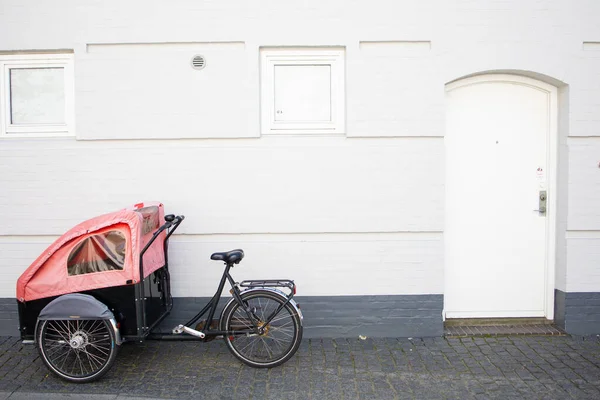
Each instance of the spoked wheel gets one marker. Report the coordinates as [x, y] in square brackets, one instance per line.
[279, 339]
[77, 350]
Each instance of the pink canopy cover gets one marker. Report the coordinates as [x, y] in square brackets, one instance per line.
[49, 275]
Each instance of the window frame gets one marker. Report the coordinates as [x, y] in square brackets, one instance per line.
[33, 61]
[334, 57]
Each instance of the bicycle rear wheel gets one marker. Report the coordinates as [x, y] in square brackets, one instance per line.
[280, 339]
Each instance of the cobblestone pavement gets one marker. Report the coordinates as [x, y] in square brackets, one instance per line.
[535, 367]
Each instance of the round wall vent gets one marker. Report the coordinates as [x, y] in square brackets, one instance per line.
[198, 62]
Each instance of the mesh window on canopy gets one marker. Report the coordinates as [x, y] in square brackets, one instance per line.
[97, 253]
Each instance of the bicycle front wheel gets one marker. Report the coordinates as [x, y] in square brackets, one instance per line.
[280, 338]
[77, 351]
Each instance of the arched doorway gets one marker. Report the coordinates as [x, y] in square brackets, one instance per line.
[500, 171]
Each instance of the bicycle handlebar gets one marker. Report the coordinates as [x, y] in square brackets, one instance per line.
[174, 221]
[171, 220]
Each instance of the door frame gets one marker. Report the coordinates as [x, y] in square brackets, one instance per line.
[551, 166]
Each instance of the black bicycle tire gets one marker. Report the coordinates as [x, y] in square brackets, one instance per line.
[69, 377]
[225, 323]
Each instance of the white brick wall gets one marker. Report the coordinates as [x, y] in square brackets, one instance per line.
[321, 264]
[332, 264]
[144, 91]
[385, 178]
[583, 249]
[584, 184]
[271, 185]
[17, 253]
[289, 188]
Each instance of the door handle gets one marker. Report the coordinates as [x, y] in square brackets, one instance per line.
[543, 199]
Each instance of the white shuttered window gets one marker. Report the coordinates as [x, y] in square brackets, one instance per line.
[302, 90]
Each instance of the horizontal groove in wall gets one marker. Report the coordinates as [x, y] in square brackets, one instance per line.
[385, 46]
[270, 141]
[41, 51]
[101, 48]
[581, 137]
[400, 43]
[584, 234]
[432, 136]
[591, 46]
[312, 237]
[262, 138]
[28, 239]
[257, 237]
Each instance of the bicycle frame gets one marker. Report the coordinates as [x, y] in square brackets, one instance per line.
[235, 291]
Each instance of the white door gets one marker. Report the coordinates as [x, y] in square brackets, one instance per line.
[497, 148]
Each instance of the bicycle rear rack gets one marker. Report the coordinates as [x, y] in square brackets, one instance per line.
[286, 283]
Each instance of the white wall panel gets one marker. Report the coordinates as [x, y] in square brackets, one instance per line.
[584, 184]
[583, 250]
[17, 254]
[326, 264]
[394, 90]
[320, 264]
[150, 90]
[132, 80]
[251, 186]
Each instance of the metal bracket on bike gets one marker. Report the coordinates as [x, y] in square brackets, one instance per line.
[272, 283]
[179, 329]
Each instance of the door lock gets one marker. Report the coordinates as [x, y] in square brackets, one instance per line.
[543, 198]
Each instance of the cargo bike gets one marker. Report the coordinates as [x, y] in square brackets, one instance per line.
[106, 281]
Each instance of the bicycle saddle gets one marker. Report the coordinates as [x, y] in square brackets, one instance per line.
[230, 257]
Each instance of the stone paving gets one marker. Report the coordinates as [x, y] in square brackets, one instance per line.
[514, 367]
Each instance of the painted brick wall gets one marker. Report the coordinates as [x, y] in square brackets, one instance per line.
[378, 190]
[584, 261]
[320, 264]
[579, 312]
[267, 185]
[274, 197]
[17, 254]
[295, 213]
[344, 316]
[9, 317]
